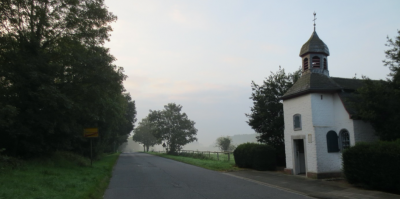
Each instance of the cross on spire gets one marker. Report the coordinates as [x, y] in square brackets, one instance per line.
[314, 20]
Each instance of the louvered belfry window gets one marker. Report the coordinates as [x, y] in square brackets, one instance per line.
[325, 64]
[316, 62]
[305, 64]
[332, 142]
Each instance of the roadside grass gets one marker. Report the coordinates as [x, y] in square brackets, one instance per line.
[206, 163]
[63, 176]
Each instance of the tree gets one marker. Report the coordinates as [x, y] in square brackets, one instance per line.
[173, 127]
[266, 116]
[377, 102]
[143, 134]
[56, 78]
[225, 144]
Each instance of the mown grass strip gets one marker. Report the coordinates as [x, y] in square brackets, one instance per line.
[207, 164]
[57, 178]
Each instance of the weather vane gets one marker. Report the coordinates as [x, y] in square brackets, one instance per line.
[314, 20]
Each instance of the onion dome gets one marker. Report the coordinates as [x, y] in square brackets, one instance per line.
[314, 45]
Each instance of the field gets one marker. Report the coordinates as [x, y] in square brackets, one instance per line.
[64, 175]
[205, 160]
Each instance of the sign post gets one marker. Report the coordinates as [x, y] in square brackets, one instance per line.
[91, 133]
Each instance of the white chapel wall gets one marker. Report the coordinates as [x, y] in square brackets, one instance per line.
[299, 105]
[329, 114]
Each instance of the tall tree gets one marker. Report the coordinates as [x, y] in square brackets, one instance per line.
[377, 102]
[143, 134]
[225, 143]
[173, 127]
[56, 77]
[266, 116]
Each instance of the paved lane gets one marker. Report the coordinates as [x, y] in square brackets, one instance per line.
[139, 175]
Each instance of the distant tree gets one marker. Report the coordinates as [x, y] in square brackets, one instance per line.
[377, 102]
[266, 116]
[143, 134]
[173, 127]
[225, 144]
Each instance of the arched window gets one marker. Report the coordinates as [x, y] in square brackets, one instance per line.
[325, 64]
[305, 64]
[332, 142]
[297, 122]
[316, 62]
[344, 140]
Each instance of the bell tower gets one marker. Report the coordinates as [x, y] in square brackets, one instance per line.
[314, 55]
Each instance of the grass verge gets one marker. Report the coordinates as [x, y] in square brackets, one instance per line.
[205, 163]
[63, 176]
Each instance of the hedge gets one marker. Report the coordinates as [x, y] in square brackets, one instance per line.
[257, 156]
[375, 165]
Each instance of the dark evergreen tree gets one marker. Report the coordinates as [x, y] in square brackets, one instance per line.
[266, 116]
[377, 102]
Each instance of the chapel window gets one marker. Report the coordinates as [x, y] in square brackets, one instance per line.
[325, 64]
[332, 142]
[316, 62]
[344, 140]
[305, 64]
[297, 122]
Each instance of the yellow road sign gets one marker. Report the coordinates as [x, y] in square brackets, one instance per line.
[90, 132]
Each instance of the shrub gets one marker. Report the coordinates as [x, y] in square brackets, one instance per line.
[264, 157]
[256, 156]
[374, 165]
[71, 158]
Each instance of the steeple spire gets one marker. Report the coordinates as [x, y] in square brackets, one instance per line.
[314, 20]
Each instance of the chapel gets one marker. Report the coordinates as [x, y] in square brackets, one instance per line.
[319, 122]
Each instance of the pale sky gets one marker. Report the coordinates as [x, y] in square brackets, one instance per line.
[204, 54]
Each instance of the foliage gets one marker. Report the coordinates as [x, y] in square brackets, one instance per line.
[61, 175]
[144, 134]
[257, 156]
[377, 101]
[266, 116]
[56, 78]
[225, 143]
[374, 165]
[173, 127]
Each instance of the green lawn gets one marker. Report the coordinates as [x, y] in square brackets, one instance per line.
[59, 177]
[211, 164]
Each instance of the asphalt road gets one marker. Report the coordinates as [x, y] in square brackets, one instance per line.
[139, 175]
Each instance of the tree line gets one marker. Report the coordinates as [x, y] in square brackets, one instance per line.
[57, 78]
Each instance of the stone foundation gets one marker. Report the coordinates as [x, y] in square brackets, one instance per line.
[324, 175]
[288, 171]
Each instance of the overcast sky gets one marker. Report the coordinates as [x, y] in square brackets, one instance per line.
[204, 54]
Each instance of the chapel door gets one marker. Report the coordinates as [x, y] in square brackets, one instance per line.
[300, 160]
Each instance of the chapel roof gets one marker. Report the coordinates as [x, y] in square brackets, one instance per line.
[315, 45]
[316, 82]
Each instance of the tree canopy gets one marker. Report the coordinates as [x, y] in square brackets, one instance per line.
[173, 127]
[225, 143]
[143, 134]
[56, 78]
[266, 116]
[377, 102]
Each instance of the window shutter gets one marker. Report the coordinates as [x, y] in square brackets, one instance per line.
[332, 142]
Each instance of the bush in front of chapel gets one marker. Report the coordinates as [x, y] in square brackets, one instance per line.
[374, 165]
